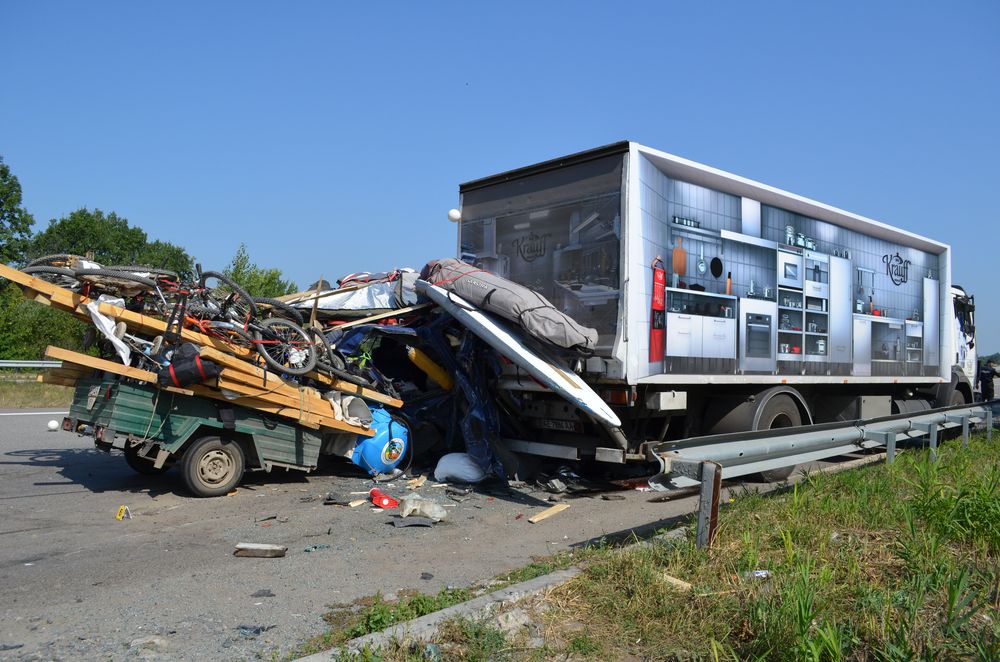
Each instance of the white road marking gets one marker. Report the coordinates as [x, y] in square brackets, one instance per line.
[35, 413]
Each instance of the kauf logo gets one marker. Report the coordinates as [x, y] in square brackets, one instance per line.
[531, 246]
[897, 268]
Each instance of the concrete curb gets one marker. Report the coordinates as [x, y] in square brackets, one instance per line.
[425, 627]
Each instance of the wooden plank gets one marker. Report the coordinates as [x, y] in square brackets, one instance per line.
[338, 384]
[399, 312]
[354, 389]
[58, 381]
[77, 358]
[309, 410]
[548, 512]
[69, 372]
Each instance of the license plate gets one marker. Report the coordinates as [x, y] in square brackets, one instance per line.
[561, 426]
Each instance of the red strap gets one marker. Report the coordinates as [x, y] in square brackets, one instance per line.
[201, 369]
[173, 376]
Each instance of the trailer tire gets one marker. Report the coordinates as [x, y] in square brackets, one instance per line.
[141, 465]
[212, 467]
[779, 412]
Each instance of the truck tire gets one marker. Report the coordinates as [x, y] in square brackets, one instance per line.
[779, 412]
[212, 467]
[140, 464]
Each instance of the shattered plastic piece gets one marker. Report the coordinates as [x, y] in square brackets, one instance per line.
[613, 497]
[414, 504]
[262, 593]
[382, 500]
[400, 522]
[315, 548]
[334, 500]
[426, 576]
[757, 574]
[555, 486]
[251, 631]
[458, 467]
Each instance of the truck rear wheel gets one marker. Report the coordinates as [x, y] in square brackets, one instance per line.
[141, 464]
[212, 467]
[779, 412]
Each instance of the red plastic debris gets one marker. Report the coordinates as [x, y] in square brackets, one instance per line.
[382, 500]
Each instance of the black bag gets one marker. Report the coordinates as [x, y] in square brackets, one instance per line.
[187, 367]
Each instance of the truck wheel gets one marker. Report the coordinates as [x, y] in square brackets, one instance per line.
[957, 398]
[140, 464]
[779, 412]
[212, 467]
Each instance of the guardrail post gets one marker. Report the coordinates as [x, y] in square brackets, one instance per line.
[708, 503]
[887, 439]
[964, 420]
[930, 429]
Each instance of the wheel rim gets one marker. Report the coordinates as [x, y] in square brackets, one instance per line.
[780, 420]
[215, 468]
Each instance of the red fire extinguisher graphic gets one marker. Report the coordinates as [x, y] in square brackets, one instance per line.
[657, 318]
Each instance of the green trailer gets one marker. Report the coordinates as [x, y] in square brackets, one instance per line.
[214, 442]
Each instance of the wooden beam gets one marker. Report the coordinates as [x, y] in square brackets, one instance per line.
[339, 384]
[77, 358]
[399, 312]
[58, 381]
[548, 512]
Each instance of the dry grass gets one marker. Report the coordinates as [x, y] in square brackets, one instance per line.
[29, 395]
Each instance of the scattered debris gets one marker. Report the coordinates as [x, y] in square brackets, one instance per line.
[308, 499]
[519, 516]
[613, 497]
[381, 499]
[555, 486]
[548, 512]
[332, 499]
[678, 584]
[265, 518]
[123, 513]
[416, 482]
[152, 641]
[426, 576]
[259, 550]
[233, 493]
[757, 574]
[251, 631]
[400, 522]
[262, 593]
[414, 504]
[315, 548]
[356, 503]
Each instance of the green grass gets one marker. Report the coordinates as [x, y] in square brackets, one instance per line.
[877, 563]
[887, 563]
[27, 395]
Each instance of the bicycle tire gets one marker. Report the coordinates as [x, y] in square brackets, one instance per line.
[331, 363]
[159, 274]
[56, 275]
[281, 307]
[235, 303]
[55, 260]
[285, 346]
[134, 279]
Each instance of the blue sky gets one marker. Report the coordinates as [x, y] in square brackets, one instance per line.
[332, 137]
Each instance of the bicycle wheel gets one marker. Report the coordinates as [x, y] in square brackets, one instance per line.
[64, 260]
[232, 334]
[233, 301]
[58, 276]
[328, 360]
[277, 309]
[285, 346]
[121, 283]
[151, 273]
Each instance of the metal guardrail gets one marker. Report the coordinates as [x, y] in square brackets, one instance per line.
[29, 364]
[706, 464]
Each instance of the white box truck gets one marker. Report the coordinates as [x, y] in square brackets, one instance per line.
[722, 304]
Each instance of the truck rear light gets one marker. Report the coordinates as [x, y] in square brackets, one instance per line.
[623, 397]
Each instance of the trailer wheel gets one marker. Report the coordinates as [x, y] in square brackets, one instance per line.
[779, 412]
[141, 464]
[212, 467]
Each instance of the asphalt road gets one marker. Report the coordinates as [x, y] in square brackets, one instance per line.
[79, 584]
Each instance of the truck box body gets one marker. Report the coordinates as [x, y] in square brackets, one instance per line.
[818, 295]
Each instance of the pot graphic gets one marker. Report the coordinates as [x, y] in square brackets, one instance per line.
[679, 258]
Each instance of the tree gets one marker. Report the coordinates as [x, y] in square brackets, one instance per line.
[27, 327]
[111, 240]
[15, 221]
[255, 280]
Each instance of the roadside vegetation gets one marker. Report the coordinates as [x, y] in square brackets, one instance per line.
[877, 563]
[16, 393]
